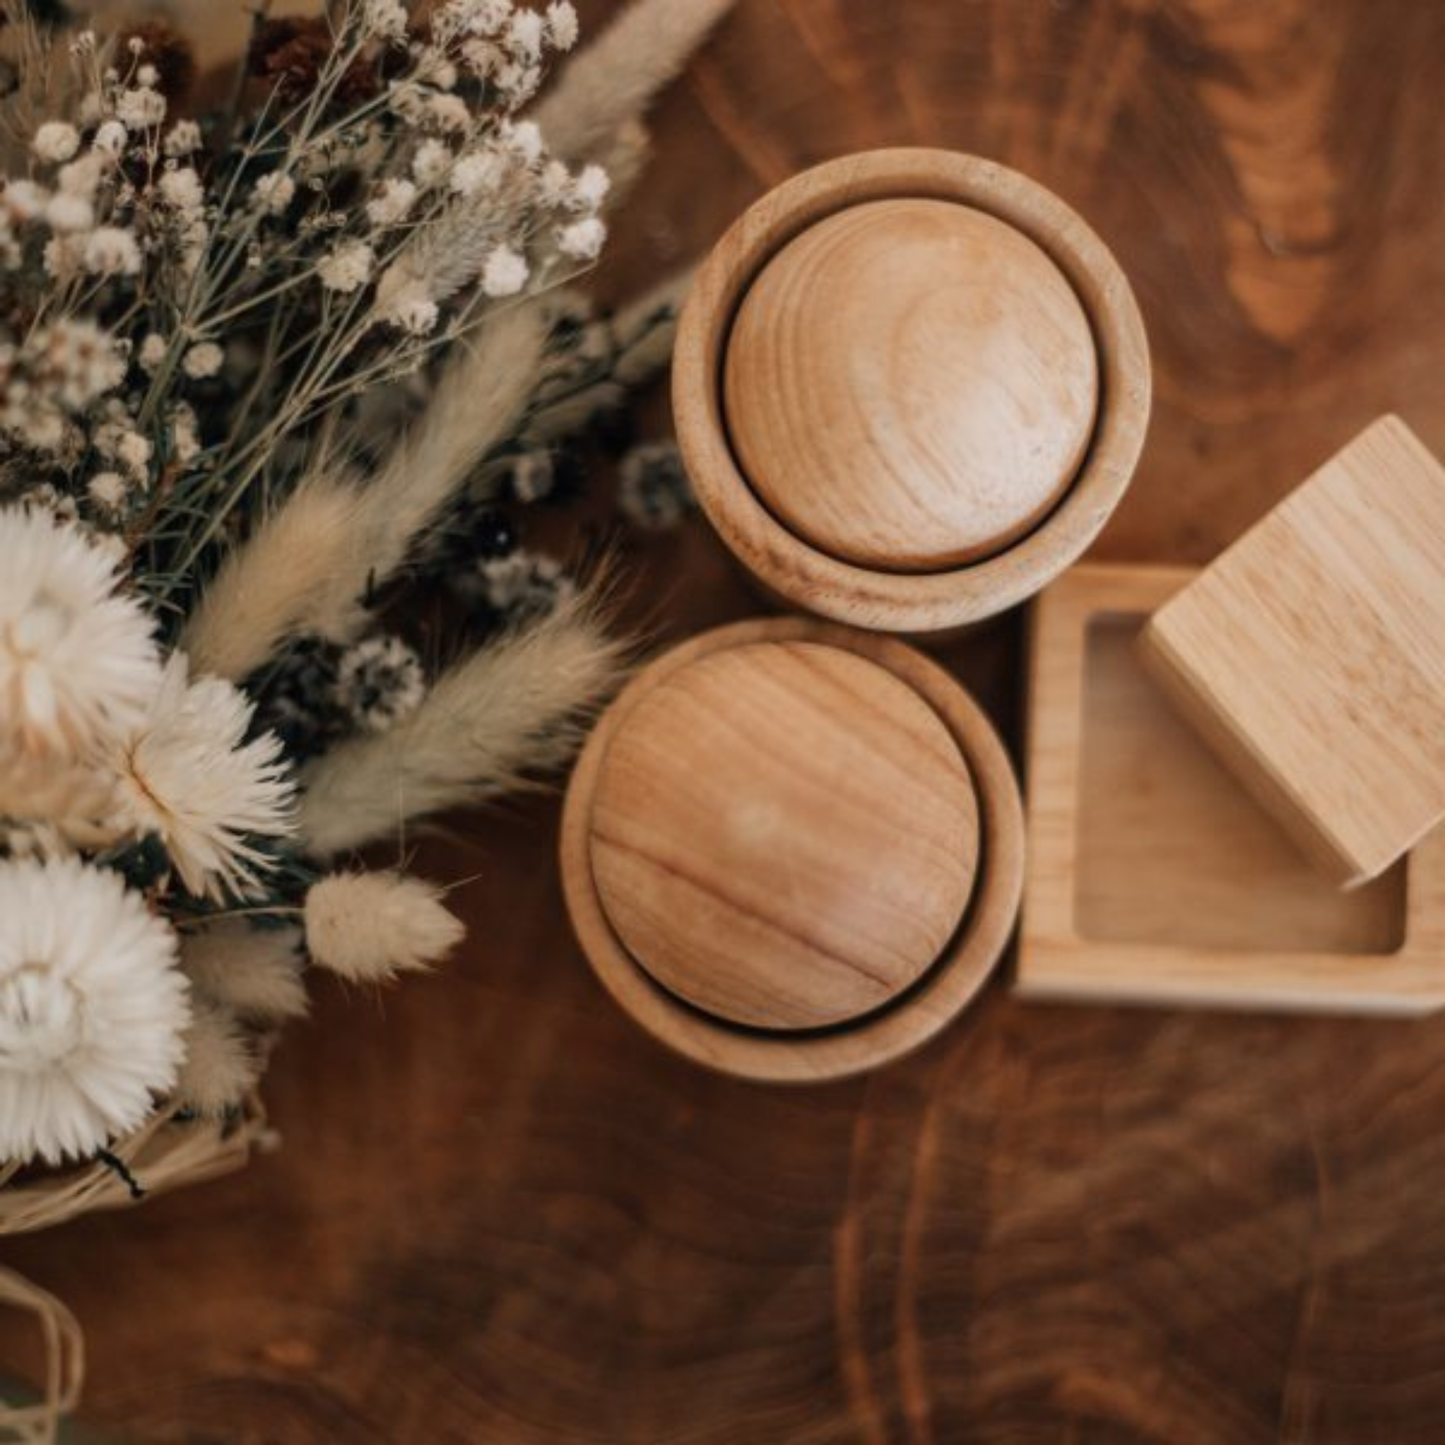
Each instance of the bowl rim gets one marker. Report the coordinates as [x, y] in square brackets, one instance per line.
[917, 602]
[919, 1012]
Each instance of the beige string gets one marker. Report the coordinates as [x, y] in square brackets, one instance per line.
[64, 1364]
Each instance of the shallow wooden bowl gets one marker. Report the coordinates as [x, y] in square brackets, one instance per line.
[910, 387]
[793, 851]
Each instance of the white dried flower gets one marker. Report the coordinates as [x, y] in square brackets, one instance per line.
[111, 138]
[110, 251]
[562, 25]
[431, 162]
[436, 69]
[582, 239]
[505, 272]
[392, 203]
[82, 177]
[182, 189]
[379, 681]
[24, 200]
[368, 927]
[525, 32]
[448, 113]
[518, 82]
[274, 191]
[147, 75]
[347, 267]
[554, 185]
[523, 138]
[477, 171]
[152, 352]
[108, 490]
[412, 309]
[55, 141]
[183, 139]
[91, 108]
[590, 188]
[385, 19]
[77, 661]
[134, 451]
[185, 432]
[76, 360]
[188, 774]
[92, 1009]
[202, 360]
[68, 212]
[63, 256]
[140, 108]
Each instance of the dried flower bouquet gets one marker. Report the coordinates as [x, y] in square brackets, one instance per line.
[268, 358]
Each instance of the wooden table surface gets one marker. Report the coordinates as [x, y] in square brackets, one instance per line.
[501, 1213]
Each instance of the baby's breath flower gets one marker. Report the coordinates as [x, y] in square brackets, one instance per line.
[392, 203]
[562, 25]
[590, 188]
[63, 256]
[385, 19]
[110, 138]
[347, 267]
[183, 139]
[55, 141]
[108, 491]
[518, 82]
[448, 113]
[524, 34]
[110, 251]
[152, 352]
[275, 191]
[69, 213]
[410, 308]
[433, 67]
[182, 189]
[135, 451]
[505, 272]
[523, 139]
[476, 171]
[24, 200]
[202, 360]
[431, 162]
[140, 108]
[147, 75]
[81, 177]
[555, 186]
[76, 360]
[185, 434]
[582, 239]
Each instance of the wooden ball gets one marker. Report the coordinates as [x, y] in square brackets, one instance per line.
[784, 835]
[910, 384]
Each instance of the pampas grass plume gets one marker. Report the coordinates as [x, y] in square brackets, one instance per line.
[368, 927]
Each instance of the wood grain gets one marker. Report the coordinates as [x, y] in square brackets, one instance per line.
[910, 384]
[1312, 654]
[783, 834]
[785, 561]
[501, 1213]
[1154, 877]
[689, 978]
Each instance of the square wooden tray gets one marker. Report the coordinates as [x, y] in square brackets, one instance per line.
[1154, 877]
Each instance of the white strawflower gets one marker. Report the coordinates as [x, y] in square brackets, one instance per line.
[77, 662]
[92, 1009]
[111, 251]
[505, 272]
[347, 267]
[368, 927]
[392, 203]
[562, 25]
[55, 141]
[183, 139]
[108, 490]
[582, 239]
[202, 360]
[137, 109]
[275, 191]
[187, 774]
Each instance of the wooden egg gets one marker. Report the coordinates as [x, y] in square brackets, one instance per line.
[910, 388]
[792, 850]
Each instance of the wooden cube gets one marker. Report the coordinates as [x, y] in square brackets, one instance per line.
[1311, 654]
[1153, 875]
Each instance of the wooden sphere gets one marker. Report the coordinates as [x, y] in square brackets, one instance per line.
[784, 835]
[886, 563]
[713, 834]
[910, 384]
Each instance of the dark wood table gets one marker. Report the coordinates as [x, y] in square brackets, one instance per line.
[501, 1213]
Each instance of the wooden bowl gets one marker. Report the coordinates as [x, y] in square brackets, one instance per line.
[910, 387]
[791, 850]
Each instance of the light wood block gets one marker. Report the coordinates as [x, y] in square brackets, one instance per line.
[793, 851]
[1154, 877]
[910, 387]
[1311, 654]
